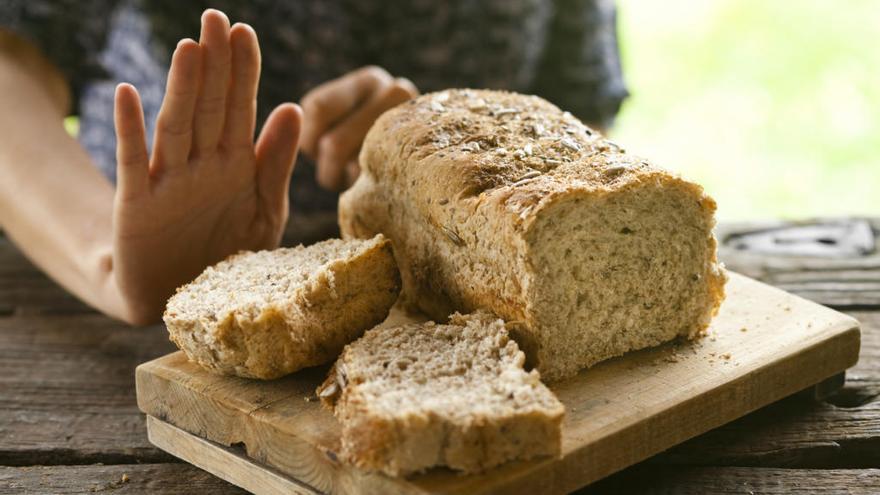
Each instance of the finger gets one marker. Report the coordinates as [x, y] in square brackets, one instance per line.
[342, 143]
[211, 105]
[241, 109]
[132, 163]
[352, 171]
[276, 152]
[174, 125]
[325, 105]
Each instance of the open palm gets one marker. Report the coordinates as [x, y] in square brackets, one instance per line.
[206, 190]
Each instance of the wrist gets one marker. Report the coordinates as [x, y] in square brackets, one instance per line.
[118, 300]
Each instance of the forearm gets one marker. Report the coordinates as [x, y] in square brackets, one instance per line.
[54, 204]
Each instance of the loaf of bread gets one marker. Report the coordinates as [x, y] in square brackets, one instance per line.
[266, 314]
[502, 201]
[421, 395]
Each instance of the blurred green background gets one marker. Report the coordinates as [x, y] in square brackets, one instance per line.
[774, 106]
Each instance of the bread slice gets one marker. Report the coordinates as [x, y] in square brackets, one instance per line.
[421, 395]
[266, 314]
[502, 201]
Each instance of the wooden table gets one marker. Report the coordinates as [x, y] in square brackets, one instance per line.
[69, 422]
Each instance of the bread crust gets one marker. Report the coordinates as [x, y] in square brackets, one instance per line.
[423, 435]
[334, 307]
[460, 180]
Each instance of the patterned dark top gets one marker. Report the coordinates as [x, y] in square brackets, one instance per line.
[563, 50]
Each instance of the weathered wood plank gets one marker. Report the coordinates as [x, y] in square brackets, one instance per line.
[66, 396]
[843, 431]
[790, 433]
[152, 479]
[172, 479]
[863, 380]
[650, 480]
[25, 290]
[68, 390]
[229, 463]
[643, 478]
[843, 281]
[619, 412]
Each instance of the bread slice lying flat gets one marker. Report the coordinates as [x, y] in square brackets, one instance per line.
[266, 314]
[504, 202]
[421, 395]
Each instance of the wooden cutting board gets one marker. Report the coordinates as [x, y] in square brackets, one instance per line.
[273, 437]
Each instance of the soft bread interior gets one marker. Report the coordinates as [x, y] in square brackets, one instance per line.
[618, 272]
[455, 395]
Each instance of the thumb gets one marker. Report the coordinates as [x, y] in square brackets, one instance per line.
[276, 153]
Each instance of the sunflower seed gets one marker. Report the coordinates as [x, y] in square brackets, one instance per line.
[504, 111]
[472, 146]
[477, 104]
[528, 175]
[537, 129]
[570, 144]
[616, 170]
[329, 391]
[455, 238]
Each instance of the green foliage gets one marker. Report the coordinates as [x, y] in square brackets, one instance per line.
[773, 105]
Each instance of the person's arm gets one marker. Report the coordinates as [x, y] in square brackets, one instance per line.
[53, 202]
[206, 191]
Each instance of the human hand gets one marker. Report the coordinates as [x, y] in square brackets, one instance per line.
[206, 190]
[337, 116]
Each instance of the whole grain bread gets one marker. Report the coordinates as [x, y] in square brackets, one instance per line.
[266, 314]
[421, 395]
[502, 201]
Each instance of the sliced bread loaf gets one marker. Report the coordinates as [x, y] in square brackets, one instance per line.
[502, 201]
[266, 314]
[421, 395]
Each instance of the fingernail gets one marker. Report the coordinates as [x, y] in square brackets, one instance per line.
[123, 85]
[215, 11]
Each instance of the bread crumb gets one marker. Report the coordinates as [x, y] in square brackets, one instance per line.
[125, 477]
[743, 329]
[726, 356]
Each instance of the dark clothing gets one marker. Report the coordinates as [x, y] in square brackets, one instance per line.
[564, 50]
